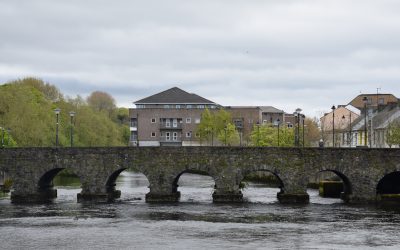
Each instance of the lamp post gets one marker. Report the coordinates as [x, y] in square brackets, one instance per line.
[365, 100]
[297, 128]
[71, 115]
[8, 136]
[278, 122]
[258, 133]
[225, 129]
[304, 117]
[2, 137]
[57, 112]
[333, 125]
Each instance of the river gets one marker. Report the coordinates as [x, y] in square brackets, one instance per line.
[195, 222]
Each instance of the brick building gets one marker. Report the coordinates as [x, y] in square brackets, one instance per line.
[170, 118]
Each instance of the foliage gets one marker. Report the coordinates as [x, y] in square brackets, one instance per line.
[6, 138]
[27, 107]
[101, 102]
[267, 135]
[7, 184]
[217, 126]
[312, 133]
[229, 135]
[393, 134]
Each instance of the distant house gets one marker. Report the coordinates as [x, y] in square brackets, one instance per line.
[340, 119]
[368, 125]
[171, 117]
[373, 101]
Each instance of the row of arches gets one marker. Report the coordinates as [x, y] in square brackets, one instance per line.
[389, 184]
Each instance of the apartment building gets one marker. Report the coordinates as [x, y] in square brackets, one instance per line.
[168, 118]
[171, 117]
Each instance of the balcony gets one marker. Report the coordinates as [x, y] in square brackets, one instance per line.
[178, 139]
[171, 126]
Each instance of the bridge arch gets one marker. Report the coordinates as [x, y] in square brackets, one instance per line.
[389, 184]
[45, 185]
[178, 176]
[245, 174]
[343, 191]
[111, 183]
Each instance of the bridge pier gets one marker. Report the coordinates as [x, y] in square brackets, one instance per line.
[234, 197]
[293, 198]
[153, 197]
[41, 196]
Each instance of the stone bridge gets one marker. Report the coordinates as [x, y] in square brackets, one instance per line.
[361, 169]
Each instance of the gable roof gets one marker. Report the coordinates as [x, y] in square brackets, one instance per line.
[174, 95]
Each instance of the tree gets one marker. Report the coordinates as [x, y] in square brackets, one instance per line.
[27, 107]
[393, 134]
[312, 133]
[206, 128]
[214, 125]
[267, 135]
[229, 135]
[123, 115]
[101, 101]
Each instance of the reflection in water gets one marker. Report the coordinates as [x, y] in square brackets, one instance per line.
[195, 222]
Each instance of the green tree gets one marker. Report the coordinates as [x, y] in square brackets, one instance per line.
[229, 135]
[207, 127]
[267, 135]
[213, 125]
[6, 138]
[27, 107]
[393, 134]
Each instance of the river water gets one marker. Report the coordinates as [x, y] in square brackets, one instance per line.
[195, 222]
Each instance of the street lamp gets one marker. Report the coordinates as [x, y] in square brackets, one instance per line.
[365, 100]
[2, 137]
[258, 133]
[278, 122]
[225, 129]
[304, 117]
[72, 114]
[333, 125]
[8, 136]
[57, 112]
[297, 129]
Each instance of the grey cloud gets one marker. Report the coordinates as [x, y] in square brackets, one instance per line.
[303, 53]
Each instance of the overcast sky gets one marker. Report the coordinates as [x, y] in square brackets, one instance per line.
[302, 53]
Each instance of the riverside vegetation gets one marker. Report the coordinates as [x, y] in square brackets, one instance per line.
[27, 114]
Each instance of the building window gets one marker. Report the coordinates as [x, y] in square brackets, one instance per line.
[178, 106]
[197, 135]
[153, 120]
[189, 134]
[200, 106]
[175, 123]
[175, 136]
[197, 120]
[289, 125]
[188, 120]
[167, 136]
[381, 101]
[140, 106]
[188, 106]
[212, 106]
[167, 123]
[166, 106]
[153, 134]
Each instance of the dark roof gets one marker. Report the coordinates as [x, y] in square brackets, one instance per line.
[174, 96]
